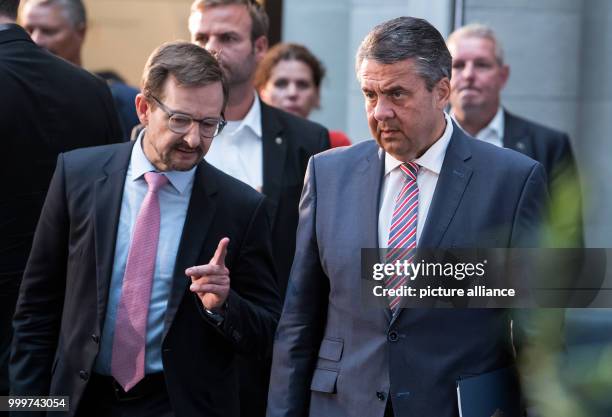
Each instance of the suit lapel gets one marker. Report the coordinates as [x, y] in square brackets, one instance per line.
[108, 193]
[454, 177]
[516, 137]
[274, 156]
[369, 176]
[200, 213]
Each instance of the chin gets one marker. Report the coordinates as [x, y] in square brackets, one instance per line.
[182, 167]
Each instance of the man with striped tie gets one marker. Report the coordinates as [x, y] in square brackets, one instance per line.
[422, 183]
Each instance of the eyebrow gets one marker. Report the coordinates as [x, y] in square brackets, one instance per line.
[393, 89]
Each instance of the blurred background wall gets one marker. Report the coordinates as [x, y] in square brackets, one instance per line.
[123, 33]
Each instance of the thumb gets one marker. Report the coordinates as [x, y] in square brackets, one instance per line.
[219, 256]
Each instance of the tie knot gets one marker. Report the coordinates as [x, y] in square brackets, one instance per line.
[155, 180]
[410, 169]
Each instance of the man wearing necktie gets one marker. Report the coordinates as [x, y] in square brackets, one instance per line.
[423, 183]
[112, 311]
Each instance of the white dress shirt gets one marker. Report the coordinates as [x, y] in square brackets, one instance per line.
[427, 178]
[238, 150]
[173, 202]
[494, 131]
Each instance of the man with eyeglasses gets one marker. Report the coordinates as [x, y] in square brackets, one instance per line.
[112, 311]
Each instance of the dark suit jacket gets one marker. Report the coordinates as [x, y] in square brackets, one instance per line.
[336, 357]
[63, 297]
[553, 150]
[48, 106]
[288, 143]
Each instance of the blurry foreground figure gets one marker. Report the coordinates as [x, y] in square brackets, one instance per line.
[48, 106]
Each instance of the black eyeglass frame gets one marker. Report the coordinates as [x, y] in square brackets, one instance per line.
[221, 122]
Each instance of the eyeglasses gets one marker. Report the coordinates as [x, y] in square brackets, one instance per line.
[181, 123]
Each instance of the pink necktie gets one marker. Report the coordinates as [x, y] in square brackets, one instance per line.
[128, 356]
[402, 234]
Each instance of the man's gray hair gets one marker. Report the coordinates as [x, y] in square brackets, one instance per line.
[478, 30]
[408, 38]
[74, 10]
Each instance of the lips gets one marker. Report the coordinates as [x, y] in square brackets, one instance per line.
[188, 151]
[469, 90]
[387, 133]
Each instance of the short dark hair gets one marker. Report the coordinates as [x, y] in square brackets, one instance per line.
[404, 38]
[260, 21]
[8, 8]
[288, 52]
[189, 64]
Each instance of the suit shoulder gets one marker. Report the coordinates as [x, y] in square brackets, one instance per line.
[88, 159]
[81, 77]
[300, 131]
[300, 123]
[534, 128]
[347, 156]
[495, 157]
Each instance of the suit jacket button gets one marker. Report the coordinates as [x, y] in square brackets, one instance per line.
[95, 338]
[380, 395]
[84, 375]
[392, 337]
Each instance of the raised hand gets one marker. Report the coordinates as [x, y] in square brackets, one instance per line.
[211, 282]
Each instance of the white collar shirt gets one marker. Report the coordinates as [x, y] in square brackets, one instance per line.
[238, 149]
[173, 202]
[427, 178]
[494, 131]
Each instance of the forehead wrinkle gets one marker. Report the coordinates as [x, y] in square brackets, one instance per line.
[228, 21]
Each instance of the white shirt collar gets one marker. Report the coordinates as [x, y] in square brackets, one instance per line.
[433, 158]
[495, 126]
[252, 120]
[140, 165]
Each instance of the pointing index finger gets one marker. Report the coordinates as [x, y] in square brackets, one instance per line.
[219, 256]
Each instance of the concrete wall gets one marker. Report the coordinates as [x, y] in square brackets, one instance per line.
[594, 143]
[333, 31]
[560, 53]
[542, 45]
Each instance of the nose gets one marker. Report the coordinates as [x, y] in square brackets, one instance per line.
[212, 45]
[192, 137]
[292, 90]
[468, 70]
[383, 110]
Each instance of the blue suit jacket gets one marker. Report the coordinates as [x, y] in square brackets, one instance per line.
[333, 356]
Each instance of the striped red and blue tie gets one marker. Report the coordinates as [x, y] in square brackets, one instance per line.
[403, 232]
